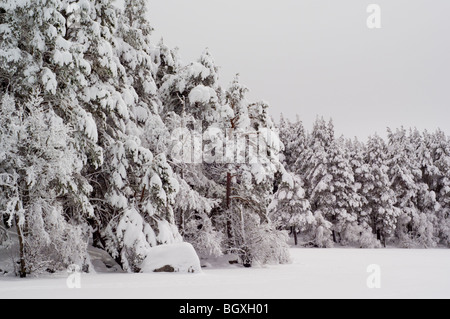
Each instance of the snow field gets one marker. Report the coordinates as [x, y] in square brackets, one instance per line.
[314, 273]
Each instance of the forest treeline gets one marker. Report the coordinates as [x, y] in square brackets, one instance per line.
[365, 194]
[89, 105]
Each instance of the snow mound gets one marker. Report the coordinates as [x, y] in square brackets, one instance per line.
[202, 94]
[179, 257]
[101, 261]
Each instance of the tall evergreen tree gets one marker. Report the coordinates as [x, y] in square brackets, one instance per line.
[45, 71]
[290, 208]
[414, 225]
[379, 210]
[438, 145]
[314, 170]
[250, 174]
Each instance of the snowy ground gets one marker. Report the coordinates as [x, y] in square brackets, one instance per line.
[314, 273]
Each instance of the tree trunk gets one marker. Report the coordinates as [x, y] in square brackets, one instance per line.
[374, 226]
[229, 234]
[22, 270]
[295, 235]
[181, 221]
[228, 199]
[142, 194]
[228, 204]
[5, 221]
[333, 220]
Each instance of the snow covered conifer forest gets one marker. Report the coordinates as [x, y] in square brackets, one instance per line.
[89, 108]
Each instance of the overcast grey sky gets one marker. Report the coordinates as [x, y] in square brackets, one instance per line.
[317, 57]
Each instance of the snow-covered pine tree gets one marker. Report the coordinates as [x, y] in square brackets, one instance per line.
[359, 232]
[438, 144]
[414, 226]
[250, 181]
[167, 61]
[134, 189]
[425, 219]
[314, 172]
[194, 207]
[194, 92]
[296, 216]
[38, 183]
[194, 88]
[343, 199]
[293, 137]
[379, 209]
[95, 71]
[42, 71]
[187, 91]
[291, 210]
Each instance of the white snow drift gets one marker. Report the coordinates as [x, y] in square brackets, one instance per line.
[179, 257]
